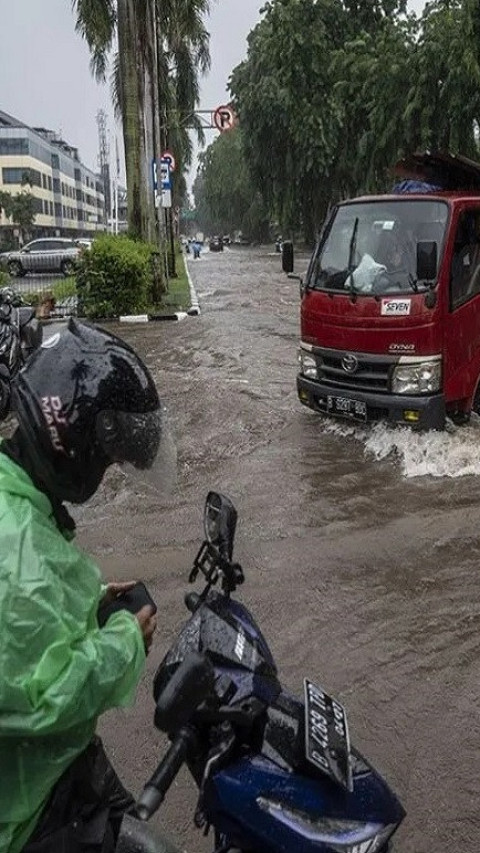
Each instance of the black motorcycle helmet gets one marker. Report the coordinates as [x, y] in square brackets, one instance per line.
[83, 401]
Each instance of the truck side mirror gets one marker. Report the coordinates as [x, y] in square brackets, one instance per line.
[427, 260]
[287, 256]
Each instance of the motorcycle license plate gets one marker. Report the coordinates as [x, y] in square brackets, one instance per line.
[345, 407]
[327, 742]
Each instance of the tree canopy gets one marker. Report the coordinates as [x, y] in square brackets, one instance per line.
[226, 196]
[20, 208]
[332, 92]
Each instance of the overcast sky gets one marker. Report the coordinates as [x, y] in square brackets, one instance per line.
[44, 66]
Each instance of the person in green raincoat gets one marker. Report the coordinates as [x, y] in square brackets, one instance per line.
[84, 401]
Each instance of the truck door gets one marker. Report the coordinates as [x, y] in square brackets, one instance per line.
[462, 321]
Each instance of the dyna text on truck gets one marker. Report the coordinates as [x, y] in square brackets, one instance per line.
[390, 304]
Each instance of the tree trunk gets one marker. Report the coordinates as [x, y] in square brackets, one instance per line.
[132, 86]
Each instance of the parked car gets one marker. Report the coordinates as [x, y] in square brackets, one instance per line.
[216, 244]
[48, 255]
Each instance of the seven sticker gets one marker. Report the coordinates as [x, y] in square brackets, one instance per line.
[395, 307]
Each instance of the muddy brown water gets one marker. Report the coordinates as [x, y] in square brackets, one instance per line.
[361, 549]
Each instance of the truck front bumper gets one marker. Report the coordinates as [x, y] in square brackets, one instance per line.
[364, 406]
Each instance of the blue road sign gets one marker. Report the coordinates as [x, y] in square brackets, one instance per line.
[165, 179]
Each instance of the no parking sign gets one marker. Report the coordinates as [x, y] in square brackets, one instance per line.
[167, 157]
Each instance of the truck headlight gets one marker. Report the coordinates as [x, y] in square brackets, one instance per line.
[422, 377]
[308, 365]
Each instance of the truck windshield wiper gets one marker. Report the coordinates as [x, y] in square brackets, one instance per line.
[351, 255]
[413, 282]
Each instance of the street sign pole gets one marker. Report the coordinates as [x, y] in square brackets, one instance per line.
[161, 177]
[167, 165]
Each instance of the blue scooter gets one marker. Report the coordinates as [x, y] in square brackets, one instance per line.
[274, 772]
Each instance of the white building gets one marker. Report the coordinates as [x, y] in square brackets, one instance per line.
[69, 197]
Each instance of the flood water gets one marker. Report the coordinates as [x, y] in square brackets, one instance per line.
[361, 548]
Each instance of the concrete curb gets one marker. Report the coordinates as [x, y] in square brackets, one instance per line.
[194, 309]
[133, 318]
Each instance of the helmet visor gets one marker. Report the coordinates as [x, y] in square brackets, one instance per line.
[141, 435]
[159, 479]
[142, 444]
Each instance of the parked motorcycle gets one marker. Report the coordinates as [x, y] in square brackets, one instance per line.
[20, 335]
[274, 772]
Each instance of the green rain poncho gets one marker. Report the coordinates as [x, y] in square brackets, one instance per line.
[58, 670]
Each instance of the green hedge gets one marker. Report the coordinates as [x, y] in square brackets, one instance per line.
[114, 277]
[64, 288]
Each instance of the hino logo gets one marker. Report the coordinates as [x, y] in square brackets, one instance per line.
[350, 363]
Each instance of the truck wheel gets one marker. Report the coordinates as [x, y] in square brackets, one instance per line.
[460, 418]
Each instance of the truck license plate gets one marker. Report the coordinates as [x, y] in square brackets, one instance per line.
[345, 407]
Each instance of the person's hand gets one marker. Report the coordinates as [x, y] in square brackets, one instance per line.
[115, 589]
[148, 623]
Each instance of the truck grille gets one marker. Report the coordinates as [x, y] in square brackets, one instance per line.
[367, 372]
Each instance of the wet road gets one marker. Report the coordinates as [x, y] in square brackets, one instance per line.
[361, 549]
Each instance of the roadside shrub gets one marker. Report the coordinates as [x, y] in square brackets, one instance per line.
[33, 298]
[64, 288]
[4, 278]
[114, 277]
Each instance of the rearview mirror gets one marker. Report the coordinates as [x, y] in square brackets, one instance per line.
[191, 683]
[426, 260]
[220, 520]
[287, 256]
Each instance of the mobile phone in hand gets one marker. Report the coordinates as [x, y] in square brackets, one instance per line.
[133, 600]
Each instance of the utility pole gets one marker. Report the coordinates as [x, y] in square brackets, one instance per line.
[115, 183]
[104, 162]
[170, 241]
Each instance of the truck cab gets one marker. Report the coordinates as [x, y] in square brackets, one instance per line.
[390, 304]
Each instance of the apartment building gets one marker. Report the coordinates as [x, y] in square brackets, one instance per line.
[69, 197]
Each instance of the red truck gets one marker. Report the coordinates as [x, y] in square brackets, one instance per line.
[390, 304]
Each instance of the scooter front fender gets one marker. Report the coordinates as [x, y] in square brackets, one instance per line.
[136, 836]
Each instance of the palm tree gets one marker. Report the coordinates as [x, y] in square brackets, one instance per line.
[184, 54]
[162, 48]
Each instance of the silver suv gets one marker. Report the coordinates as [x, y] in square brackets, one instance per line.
[52, 254]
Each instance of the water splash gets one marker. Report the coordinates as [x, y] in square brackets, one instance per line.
[452, 453]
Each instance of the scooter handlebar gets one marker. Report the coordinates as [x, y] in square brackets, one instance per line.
[156, 788]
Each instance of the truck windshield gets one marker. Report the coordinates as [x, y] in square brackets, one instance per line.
[371, 247]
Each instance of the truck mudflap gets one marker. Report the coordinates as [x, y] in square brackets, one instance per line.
[365, 406]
